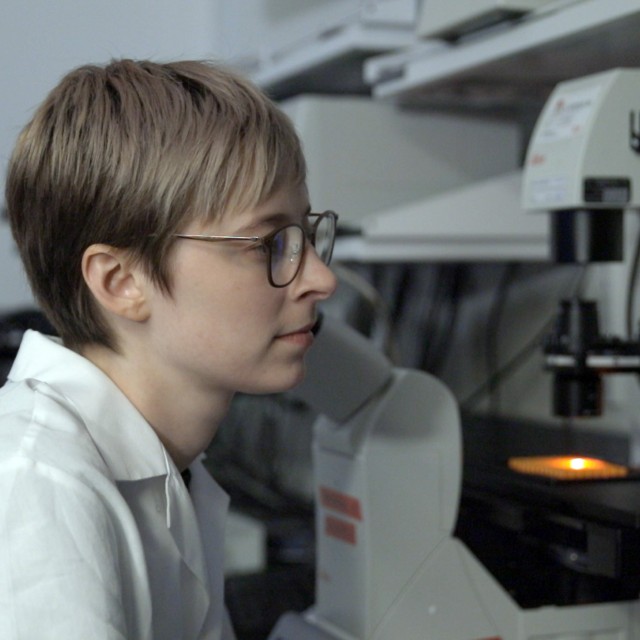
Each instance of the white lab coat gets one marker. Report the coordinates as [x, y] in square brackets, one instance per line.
[99, 537]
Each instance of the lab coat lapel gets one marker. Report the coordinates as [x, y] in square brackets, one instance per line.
[194, 578]
[211, 505]
[173, 551]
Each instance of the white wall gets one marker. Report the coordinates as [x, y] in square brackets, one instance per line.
[40, 40]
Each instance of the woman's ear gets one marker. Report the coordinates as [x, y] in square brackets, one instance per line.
[116, 281]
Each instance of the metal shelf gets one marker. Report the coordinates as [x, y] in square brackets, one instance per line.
[365, 250]
[480, 222]
[332, 62]
[516, 64]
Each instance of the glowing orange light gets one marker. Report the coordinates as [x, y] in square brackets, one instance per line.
[567, 467]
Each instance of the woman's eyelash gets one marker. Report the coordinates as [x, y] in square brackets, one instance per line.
[258, 245]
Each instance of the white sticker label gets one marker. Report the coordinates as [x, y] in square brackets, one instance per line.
[549, 191]
[568, 115]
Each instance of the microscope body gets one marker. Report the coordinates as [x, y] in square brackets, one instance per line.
[583, 168]
[387, 474]
[387, 445]
[583, 164]
[578, 355]
[387, 493]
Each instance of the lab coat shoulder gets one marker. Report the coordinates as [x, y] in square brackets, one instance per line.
[39, 423]
[70, 555]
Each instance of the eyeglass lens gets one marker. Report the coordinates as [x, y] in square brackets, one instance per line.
[323, 237]
[286, 251]
[287, 248]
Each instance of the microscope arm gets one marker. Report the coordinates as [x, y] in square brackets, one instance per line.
[387, 475]
[344, 370]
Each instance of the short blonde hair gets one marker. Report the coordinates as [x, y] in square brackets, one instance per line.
[126, 155]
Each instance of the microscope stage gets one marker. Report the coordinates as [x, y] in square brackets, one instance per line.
[547, 539]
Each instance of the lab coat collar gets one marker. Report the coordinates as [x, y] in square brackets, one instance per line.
[113, 422]
[139, 462]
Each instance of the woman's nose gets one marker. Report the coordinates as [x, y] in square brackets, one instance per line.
[315, 276]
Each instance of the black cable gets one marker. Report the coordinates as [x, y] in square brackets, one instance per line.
[494, 318]
[510, 366]
[400, 295]
[455, 297]
[631, 288]
[447, 315]
[428, 328]
[521, 356]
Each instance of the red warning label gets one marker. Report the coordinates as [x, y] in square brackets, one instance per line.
[341, 529]
[340, 502]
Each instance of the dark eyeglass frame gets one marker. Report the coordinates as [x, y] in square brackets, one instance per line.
[309, 234]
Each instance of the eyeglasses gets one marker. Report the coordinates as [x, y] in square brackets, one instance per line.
[285, 247]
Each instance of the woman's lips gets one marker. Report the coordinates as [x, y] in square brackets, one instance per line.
[302, 337]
